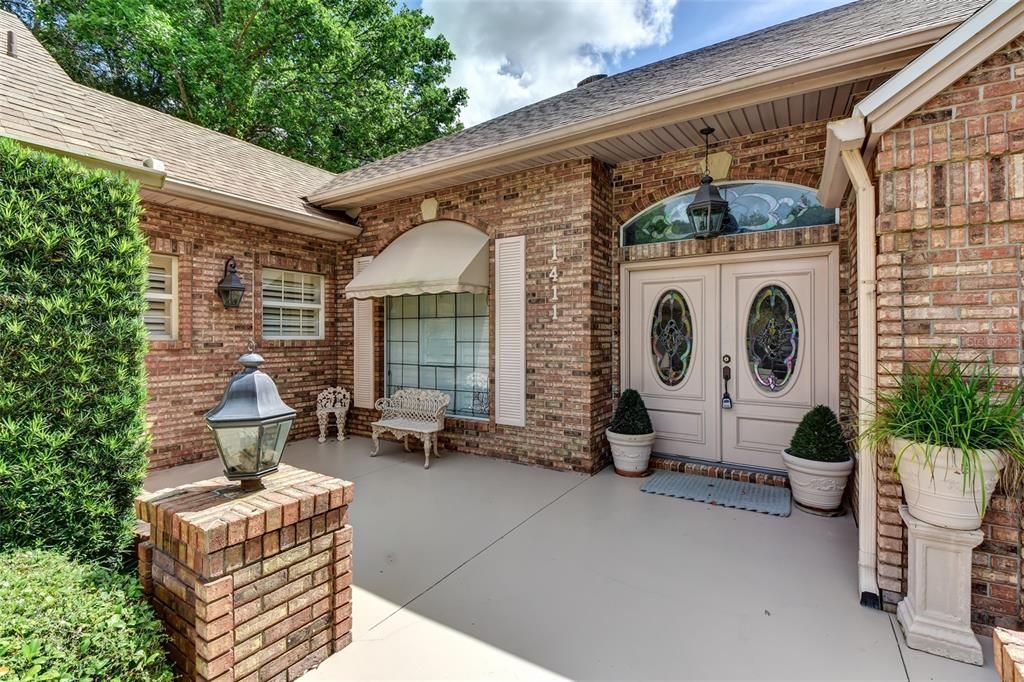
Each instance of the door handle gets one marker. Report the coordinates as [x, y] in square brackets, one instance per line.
[726, 376]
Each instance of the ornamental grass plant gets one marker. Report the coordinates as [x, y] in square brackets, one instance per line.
[950, 404]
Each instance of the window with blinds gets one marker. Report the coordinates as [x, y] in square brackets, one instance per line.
[293, 305]
[161, 316]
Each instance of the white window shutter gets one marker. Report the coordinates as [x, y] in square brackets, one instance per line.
[510, 331]
[362, 344]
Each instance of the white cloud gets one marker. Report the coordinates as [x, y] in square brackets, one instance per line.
[510, 53]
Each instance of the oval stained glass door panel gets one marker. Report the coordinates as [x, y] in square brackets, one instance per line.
[672, 337]
[773, 338]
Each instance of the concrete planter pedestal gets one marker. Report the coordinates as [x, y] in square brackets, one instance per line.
[936, 613]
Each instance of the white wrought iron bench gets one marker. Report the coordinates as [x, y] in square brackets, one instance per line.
[334, 400]
[411, 412]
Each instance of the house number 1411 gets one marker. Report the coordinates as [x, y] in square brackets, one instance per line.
[553, 276]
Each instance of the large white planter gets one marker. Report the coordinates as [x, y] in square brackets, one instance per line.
[817, 485]
[631, 454]
[935, 494]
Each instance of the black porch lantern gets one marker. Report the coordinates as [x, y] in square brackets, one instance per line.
[708, 209]
[251, 424]
[231, 287]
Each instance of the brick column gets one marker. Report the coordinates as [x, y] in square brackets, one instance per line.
[252, 587]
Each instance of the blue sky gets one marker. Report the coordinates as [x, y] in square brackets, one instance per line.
[514, 52]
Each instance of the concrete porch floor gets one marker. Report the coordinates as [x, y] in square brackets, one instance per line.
[481, 569]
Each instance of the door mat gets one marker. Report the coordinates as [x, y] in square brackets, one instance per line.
[767, 499]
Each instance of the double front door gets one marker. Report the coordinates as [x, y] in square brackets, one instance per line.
[729, 354]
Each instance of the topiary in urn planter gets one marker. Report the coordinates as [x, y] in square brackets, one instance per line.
[819, 463]
[631, 435]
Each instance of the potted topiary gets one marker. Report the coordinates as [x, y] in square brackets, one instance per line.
[818, 461]
[953, 431]
[631, 435]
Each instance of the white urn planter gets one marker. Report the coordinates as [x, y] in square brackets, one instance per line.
[630, 454]
[936, 494]
[817, 486]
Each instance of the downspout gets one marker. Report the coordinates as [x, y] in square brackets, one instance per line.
[867, 370]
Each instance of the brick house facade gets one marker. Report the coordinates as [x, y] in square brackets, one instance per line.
[187, 375]
[947, 236]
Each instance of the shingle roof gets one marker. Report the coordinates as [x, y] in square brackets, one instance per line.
[39, 100]
[835, 30]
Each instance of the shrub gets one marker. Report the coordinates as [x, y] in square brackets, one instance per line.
[64, 620]
[949, 405]
[819, 437]
[73, 267]
[631, 418]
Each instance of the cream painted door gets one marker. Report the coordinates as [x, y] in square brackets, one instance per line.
[674, 323]
[775, 319]
[778, 322]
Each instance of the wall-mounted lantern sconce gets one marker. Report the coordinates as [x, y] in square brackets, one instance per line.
[231, 286]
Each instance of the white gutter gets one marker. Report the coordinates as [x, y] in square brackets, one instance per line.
[846, 139]
[323, 224]
[736, 92]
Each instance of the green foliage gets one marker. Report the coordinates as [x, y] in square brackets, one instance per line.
[631, 418]
[819, 437]
[948, 404]
[62, 620]
[73, 442]
[335, 83]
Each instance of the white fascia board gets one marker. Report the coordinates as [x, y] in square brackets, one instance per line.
[966, 46]
[842, 135]
[335, 229]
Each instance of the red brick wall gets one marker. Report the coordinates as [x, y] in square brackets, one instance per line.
[567, 360]
[187, 377]
[951, 197]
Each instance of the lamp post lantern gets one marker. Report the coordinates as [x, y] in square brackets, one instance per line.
[251, 424]
[708, 209]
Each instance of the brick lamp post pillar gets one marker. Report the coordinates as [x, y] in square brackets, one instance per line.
[251, 585]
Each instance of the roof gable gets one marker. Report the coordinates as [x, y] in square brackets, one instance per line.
[840, 29]
[41, 105]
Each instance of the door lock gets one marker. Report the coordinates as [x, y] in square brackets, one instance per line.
[726, 375]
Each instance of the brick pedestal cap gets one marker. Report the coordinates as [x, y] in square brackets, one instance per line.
[253, 586]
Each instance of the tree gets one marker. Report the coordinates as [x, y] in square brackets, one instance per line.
[335, 83]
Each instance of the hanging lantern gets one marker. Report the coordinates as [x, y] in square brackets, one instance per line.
[231, 287]
[708, 209]
[251, 424]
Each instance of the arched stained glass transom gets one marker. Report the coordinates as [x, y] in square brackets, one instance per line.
[773, 338]
[753, 207]
[671, 337]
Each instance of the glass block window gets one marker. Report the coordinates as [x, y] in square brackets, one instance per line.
[293, 305]
[441, 342]
[753, 207]
[773, 338]
[161, 316]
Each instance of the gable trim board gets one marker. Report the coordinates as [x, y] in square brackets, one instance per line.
[945, 62]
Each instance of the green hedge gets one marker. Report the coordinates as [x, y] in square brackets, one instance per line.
[62, 620]
[73, 441]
